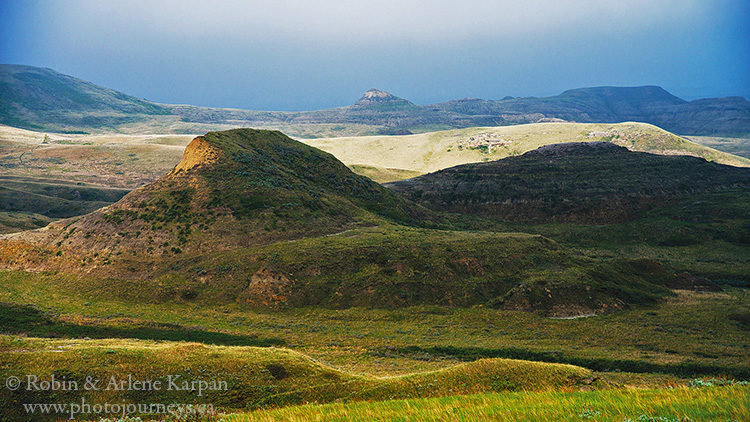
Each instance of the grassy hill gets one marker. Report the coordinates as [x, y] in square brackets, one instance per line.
[584, 182]
[53, 198]
[237, 188]
[606, 201]
[385, 267]
[36, 98]
[254, 377]
[291, 218]
[429, 152]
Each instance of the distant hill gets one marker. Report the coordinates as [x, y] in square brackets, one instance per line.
[432, 151]
[42, 99]
[573, 182]
[38, 98]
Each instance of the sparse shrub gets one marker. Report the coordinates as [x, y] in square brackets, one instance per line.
[589, 413]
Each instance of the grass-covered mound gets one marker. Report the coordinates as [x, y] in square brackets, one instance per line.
[434, 151]
[573, 182]
[254, 377]
[386, 267]
[396, 266]
[235, 188]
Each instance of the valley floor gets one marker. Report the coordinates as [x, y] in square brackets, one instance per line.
[707, 330]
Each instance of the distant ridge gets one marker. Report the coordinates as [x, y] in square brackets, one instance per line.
[36, 98]
[42, 99]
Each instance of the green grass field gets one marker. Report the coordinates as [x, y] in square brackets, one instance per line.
[671, 405]
[386, 342]
[254, 377]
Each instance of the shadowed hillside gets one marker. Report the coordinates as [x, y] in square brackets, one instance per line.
[576, 182]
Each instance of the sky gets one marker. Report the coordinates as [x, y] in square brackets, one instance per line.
[303, 55]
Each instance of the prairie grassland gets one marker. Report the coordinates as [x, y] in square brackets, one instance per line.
[668, 405]
[690, 328]
[254, 377]
[432, 151]
[122, 160]
[736, 146]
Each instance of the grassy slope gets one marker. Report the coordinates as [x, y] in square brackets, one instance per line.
[260, 187]
[382, 174]
[705, 235]
[14, 221]
[118, 161]
[574, 182]
[428, 152]
[388, 266]
[673, 332]
[54, 198]
[679, 211]
[35, 97]
[256, 377]
[674, 405]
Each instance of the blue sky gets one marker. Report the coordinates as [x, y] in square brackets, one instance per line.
[295, 55]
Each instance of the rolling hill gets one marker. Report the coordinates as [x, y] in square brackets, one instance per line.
[605, 201]
[382, 156]
[42, 99]
[255, 377]
[254, 217]
[237, 188]
[573, 182]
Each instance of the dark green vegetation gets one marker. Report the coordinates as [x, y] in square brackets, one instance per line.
[43, 99]
[31, 321]
[574, 182]
[683, 212]
[392, 267]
